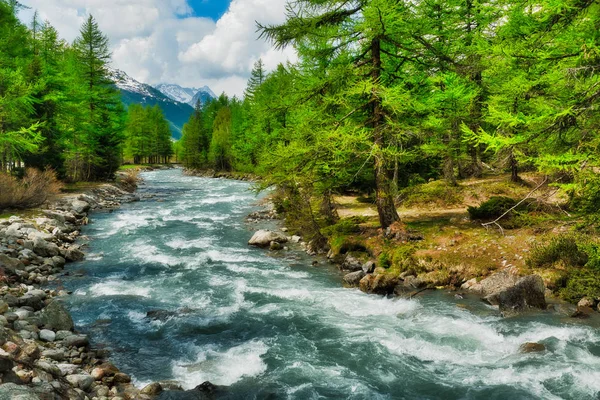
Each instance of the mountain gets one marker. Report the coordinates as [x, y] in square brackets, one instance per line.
[186, 95]
[132, 91]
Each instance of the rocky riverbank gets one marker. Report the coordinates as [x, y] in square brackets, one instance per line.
[42, 356]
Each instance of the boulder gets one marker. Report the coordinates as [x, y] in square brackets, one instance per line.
[586, 302]
[351, 263]
[494, 283]
[353, 278]
[383, 284]
[153, 389]
[274, 246]
[81, 381]
[73, 253]
[56, 317]
[45, 249]
[413, 282]
[527, 292]
[47, 335]
[76, 341]
[10, 264]
[263, 238]
[80, 207]
[532, 348]
[368, 267]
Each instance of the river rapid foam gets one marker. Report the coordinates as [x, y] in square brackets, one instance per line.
[276, 326]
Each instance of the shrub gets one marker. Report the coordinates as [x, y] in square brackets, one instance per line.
[587, 198]
[493, 208]
[344, 227]
[33, 190]
[129, 179]
[563, 249]
[581, 283]
[384, 260]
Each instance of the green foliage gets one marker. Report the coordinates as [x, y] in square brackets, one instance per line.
[147, 135]
[492, 208]
[563, 250]
[581, 283]
[438, 193]
[384, 260]
[346, 226]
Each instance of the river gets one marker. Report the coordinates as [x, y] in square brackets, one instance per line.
[279, 328]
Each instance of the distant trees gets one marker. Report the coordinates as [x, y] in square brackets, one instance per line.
[147, 135]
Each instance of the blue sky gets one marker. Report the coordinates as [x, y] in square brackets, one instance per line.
[213, 9]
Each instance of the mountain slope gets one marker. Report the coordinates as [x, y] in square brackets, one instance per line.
[132, 91]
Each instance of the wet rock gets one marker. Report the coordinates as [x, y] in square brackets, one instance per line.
[532, 348]
[582, 312]
[494, 283]
[263, 238]
[382, 284]
[153, 389]
[413, 282]
[205, 391]
[104, 370]
[275, 246]
[76, 341]
[121, 378]
[73, 254]
[527, 292]
[10, 264]
[353, 278]
[56, 317]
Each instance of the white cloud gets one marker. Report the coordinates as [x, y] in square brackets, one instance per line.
[161, 41]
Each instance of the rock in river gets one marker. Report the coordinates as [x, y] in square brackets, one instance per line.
[263, 238]
[55, 316]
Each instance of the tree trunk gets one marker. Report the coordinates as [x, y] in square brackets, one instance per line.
[328, 209]
[383, 193]
[514, 168]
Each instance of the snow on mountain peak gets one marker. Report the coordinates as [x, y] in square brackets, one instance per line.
[183, 94]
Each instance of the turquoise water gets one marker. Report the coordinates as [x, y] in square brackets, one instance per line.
[278, 328]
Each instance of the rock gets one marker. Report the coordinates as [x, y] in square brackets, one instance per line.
[527, 292]
[47, 335]
[495, 283]
[67, 369]
[586, 302]
[80, 207]
[274, 246]
[532, 348]
[263, 238]
[296, 239]
[11, 391]
[582, 312]
[56, 317]
[45, 249]
[54, 354]
[49, 368]
[383, 284]
[104, 370]
[81, 381]
[153, 389]
[353, 278]
[413, 282]
[3, 307]
[368, 267]
[468, 285]
[10, 264]
[6, 363]
[351, 264]
[73, 254]
[121, 378]
[29, 353]
[76, 341]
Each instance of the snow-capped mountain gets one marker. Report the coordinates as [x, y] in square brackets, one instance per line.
[132, 91]
[186, 95]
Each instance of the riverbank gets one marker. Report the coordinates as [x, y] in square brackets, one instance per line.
[42, 355]
[438, 245]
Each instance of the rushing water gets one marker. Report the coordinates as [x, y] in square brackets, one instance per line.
[279, 328]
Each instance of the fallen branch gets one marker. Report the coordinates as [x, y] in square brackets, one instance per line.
[495, 222]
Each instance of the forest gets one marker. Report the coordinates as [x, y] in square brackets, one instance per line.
[60, 110]
[389, 94]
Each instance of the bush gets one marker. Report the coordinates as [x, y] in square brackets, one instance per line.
[384, 260]
[587, 198]
[583, 282]
[491, 209]
[344, 227]
[128, 180]
[563, 249]
[33, 190]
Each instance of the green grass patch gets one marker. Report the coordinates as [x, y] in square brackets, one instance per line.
[436, 193]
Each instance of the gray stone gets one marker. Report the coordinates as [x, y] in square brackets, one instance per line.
[67, 369]
[81, 381]
[10, 264]
[527, 292]
[49, 368]
[351, 264]
[54, 354]
[368, 267]
[56, 317]
[263, 238]
[60, 335]
[353, 278]
[47, 335]
[45, 249]
[586, 302]
[73, 253]
[80, 207]
[76, 341]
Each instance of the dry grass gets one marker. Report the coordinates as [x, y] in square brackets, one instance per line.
[33, 190]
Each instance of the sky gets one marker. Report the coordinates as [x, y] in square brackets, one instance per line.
[188, 42]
